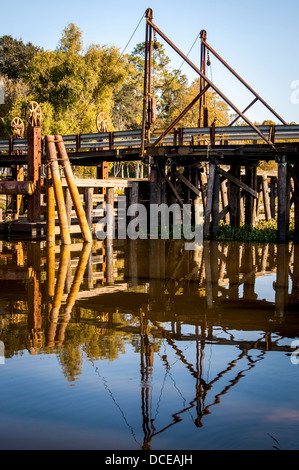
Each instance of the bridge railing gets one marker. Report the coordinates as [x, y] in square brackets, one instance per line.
[132, 139]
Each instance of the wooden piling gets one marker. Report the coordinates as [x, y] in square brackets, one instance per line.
[209, 201]
[50, 207]
[88, 200]
[250, 180]
[283, 193]
[61, 210]
[266, 198]
[69, 176]
[234, 197]
[215, 208]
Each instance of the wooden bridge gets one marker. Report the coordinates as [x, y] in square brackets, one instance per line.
[217, 166]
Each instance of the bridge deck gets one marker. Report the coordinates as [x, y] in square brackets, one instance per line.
[222, 142]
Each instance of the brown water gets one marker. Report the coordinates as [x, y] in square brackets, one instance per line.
[143, 345]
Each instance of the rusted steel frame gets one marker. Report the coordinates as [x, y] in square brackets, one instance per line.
[147, 78]
[243, 81]
[183, 113]
[196, 69]
[61, 210]
[246, 109]
[69, 176]
[17, 187]
[34, 138]
[202, 101]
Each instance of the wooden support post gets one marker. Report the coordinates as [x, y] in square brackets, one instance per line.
[61, 210]
[50, 207]
[68, 205]
[34, 139]
[155, 194]
[258, 200]
[234, 196]
[283, 192]
[209, 203]
[224, 200]
[266, 197]
[103, 173]
[273, 181]
[215, 205]
[110, 213]
[251, 181]
[295, 174]
[85, 229]
[88, 200]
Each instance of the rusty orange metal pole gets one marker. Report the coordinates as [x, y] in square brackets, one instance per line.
[62, 215]
[69, 176]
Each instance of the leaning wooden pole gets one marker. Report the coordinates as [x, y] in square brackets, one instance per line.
[69, 176]
[62, 215]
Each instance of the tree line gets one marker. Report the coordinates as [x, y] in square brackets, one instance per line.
[73, 85]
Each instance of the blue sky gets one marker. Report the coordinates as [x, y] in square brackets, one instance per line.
[259, 39]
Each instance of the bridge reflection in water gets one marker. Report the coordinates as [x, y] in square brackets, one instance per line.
[158, 297]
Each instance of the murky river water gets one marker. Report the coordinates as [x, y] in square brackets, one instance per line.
[143, 345]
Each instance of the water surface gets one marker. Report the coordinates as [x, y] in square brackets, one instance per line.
[143, 345]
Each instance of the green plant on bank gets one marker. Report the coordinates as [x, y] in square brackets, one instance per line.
[264, 232]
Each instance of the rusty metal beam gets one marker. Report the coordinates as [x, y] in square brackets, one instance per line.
[216, 89]
[183, 113]
[147, 80]
[17, 187]
[244, 111]
[242, 81]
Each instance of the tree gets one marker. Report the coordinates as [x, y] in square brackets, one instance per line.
[15, 56]
[167, 86]
[76, 85]
[71, 40]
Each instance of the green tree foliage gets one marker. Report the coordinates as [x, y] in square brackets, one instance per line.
[168, 87]
[73, 85]
[76, 85]
[15, 56]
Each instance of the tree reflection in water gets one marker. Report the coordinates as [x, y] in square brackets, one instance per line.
[97, 298]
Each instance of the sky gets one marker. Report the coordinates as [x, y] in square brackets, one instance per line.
[258, 38]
